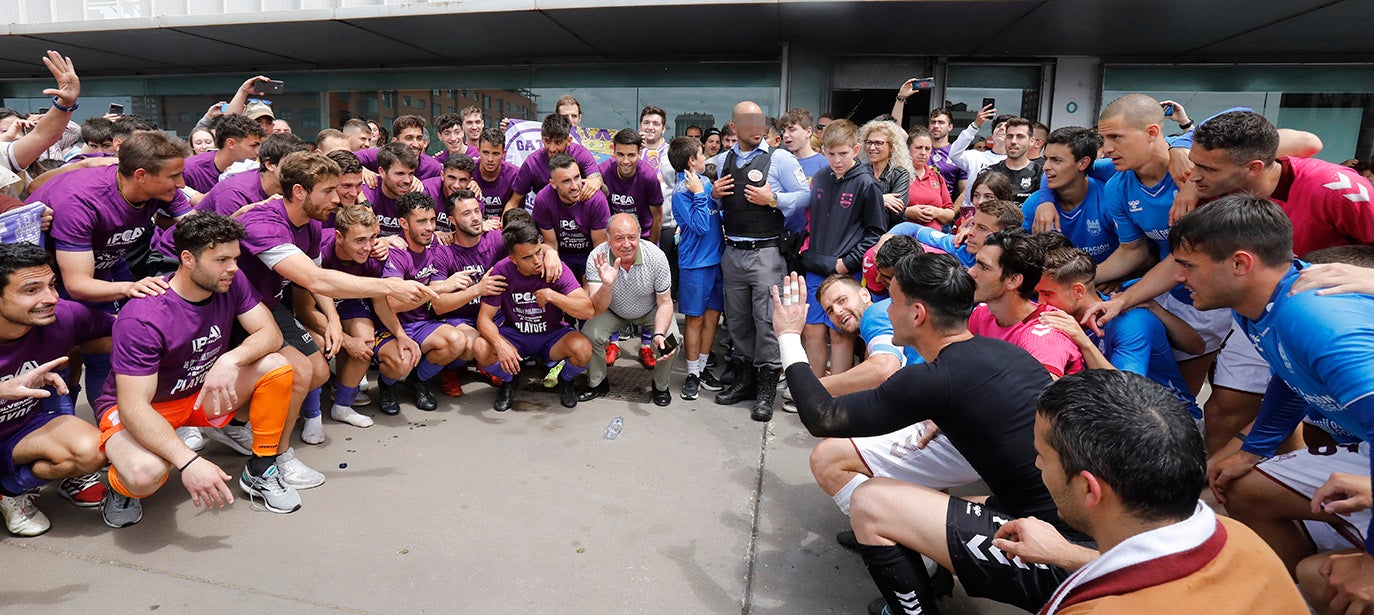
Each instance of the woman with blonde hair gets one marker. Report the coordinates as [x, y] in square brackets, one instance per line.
[885, 143]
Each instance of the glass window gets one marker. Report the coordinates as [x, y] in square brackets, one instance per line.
[1014, 88]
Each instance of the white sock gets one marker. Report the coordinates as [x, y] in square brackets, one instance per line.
[694, 366]
[345, 414]
[842, 497]
[314, 430]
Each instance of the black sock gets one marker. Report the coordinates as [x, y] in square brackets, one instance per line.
[236, 422]
[257, 466]
[901, 576]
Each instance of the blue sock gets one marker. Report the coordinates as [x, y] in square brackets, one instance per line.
[646, 336]
[61, 404]
[388, 381]
[310, 408]
[427, 370]
[615, 336]
[345, 396]
[571, 371]
[97, 370]
[21, 481]
[496, 370]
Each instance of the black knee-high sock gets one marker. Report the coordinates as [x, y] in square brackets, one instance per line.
[901, 576]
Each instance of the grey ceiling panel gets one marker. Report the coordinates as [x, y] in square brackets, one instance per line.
[1340, 30]
[461, 37]
[901, 28]
[169, 46]
[319, 43]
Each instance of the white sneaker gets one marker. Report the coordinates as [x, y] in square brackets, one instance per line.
[191, 437]
[295, 473]
[22, 518]
[237, 437]
[350, 416]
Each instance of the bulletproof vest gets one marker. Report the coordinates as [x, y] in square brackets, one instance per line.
[742, 218]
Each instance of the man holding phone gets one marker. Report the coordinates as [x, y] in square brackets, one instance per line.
[629, 281]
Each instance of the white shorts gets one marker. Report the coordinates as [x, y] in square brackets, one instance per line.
[1305, 471]
[938, 466]
[1212, 325]
[1239, 364]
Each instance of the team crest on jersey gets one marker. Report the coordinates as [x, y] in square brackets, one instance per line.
[210, 337]
[1094, 227]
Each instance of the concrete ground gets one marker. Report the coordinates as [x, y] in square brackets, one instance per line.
[694, 508]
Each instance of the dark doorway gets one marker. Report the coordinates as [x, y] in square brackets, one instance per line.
[860, 106]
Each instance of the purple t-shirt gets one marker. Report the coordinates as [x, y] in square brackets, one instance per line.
[571, 224]
[329, 259]
[952, 173]
[175, 339]
[90, 215]
[635, 195]
[534, 173]
[495, 194]
[76, 324]
[201, 174]
[476, 261]
[522, 312]
[386, 209]
[432, 265]
[271, 239]
[429, 167]
[233, 193]
[434, 187]
[472, 152]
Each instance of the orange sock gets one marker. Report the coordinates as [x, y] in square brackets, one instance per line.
[267, 412]
[119, 487]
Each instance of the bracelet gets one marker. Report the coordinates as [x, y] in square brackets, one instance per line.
[658, 335]
[188, 463]
[900, 99]
[1242, 436]
[1186, 126]
[57, 104]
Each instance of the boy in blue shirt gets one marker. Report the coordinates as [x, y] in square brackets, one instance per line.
[701, 241]
[1074, 195]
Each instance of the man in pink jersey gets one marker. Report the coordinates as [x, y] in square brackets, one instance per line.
[1007, 269]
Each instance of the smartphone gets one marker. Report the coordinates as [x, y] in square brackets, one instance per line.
[1168, 109]
[923, 83]
[272, 86]
[670, 343]
[115, 109]
[989, 102]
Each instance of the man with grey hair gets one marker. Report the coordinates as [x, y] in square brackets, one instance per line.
[630, 283]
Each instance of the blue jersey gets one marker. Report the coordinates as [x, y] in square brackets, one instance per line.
[876, 330]
[1136, 342]
[1322, 347]
[1142, 212]
[1088, 226]
[701, 240]
[930, 237]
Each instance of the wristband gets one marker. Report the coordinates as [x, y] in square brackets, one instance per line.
[900, 99]
[57, 104]
[658, 335]
[1186, 126]
[188, 463]
[1240, 435]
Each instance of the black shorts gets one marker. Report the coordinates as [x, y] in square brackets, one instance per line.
[986, 572]
[293, 333]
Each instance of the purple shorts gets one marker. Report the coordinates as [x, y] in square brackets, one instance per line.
[420, 330]
[532, 344]
[12, 432]
[354, 308]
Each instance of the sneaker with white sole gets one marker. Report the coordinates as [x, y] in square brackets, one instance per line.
[276, 495]
[82, 491]
[295, 473]
[121, 510]
[237, 437]
[191, 437]
[22, 517]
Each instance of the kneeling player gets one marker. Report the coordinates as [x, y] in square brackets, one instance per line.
[533, 310]
[173, 367]
[38, 328]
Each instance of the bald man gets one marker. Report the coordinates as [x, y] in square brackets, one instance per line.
[630, 283]
[757, 189]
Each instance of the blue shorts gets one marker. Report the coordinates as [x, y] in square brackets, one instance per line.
[16, 430]
[815, 314]
[701, 289]
[535, 344]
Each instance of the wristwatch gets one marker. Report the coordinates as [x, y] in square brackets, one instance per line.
[900, 99]
[57, 104]
[1186, 126]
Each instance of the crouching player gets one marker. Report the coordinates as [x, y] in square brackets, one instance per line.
[173, 366]
[533, 309]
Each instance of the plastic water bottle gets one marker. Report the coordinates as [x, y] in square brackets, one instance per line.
[613, 429]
